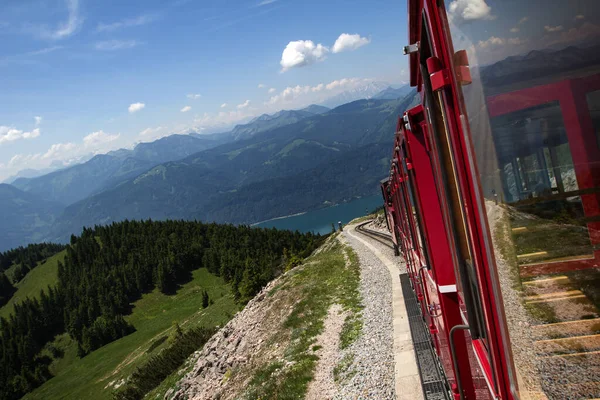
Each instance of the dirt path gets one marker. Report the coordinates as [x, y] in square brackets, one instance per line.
[323, 386]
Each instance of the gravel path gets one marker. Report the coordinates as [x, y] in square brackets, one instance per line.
[372, 370]
[322, 387]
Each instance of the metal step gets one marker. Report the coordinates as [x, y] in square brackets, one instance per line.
[432, 378]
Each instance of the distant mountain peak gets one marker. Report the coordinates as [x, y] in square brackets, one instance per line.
[365, 91]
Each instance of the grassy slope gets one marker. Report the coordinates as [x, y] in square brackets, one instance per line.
[329, 277]
[37, 279]
[332, 275]
[152, 316]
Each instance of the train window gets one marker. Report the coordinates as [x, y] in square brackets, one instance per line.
[531, 110]
[449, 192]
[416, 214]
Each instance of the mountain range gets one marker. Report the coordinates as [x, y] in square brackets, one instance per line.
[274, 165]
[368, 91]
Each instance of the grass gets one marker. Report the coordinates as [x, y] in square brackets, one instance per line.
[325, 280]
[43, 275]
[93, 376]
[362, 219]
[343, 371]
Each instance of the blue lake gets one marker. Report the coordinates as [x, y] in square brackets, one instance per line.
[319, 221]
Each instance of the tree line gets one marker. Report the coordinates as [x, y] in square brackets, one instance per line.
[106, 268]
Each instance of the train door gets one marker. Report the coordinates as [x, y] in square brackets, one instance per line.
[437, 275]
[482, 355]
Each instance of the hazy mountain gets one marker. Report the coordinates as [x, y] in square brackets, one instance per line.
[71, 184]
[366, 91]
[175, 147]
[28, 173]
[25, 217]
[316, 109]
[197, 186]
[539, 65]
[391, 93]
[281, 118]
[103, 171]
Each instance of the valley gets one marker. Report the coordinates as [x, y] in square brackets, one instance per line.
[267, 165]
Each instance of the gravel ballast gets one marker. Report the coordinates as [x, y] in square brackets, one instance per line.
[371, 373]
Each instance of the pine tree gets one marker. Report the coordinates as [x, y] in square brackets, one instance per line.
[205, 299]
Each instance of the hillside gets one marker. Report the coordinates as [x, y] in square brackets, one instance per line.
[116, 284]
[96, 375]
[25, 217]
[329, 145]
[43, 275]
[351, 174]
[272, 348]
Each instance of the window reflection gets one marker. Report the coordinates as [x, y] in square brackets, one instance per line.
[533, 112]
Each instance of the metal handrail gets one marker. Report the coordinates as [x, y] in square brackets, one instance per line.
[453, 355]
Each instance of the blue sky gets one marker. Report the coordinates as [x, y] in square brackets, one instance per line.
[80, 77]
[80, 65]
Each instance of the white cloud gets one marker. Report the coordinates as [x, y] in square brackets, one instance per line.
[515, 30]
[265, 2]
[38, 120]
[22, 159]
[64, 153]
[186, 109]
[223, 105]
[135, 107]
[112, 45]
[349, 42]
[194, 96]
[517, 41]
[58, 150]
[149, 131]
[586, 32]
[126, 23]
[220, 121]
[300, 53]
[261, 86]
[24, 57]
[492, 41]
[272, 90]
[10, 134]
[299, 95]
[97, 140]
[549, 28]
[244, 104]
[579, 17]
[342, 83]
[67, 28]
[469, 10]
[523, 20]
[150, 134]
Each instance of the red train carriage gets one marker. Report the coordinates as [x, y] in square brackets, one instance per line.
[493, 196]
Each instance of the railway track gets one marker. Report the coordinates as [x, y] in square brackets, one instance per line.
[383, 238]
